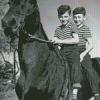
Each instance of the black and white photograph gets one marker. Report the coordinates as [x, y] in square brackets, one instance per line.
[49, 50]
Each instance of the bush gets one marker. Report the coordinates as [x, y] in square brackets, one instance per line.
[6, 73]
[6, 69]
[4, 46]
[5, 43]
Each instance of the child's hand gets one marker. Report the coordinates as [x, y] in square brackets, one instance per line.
[82, 55]
[54, 39]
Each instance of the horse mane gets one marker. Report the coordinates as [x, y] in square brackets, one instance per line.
[17, 2]
[33, 26]
[14, 2]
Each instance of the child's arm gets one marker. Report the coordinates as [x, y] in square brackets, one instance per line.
[54, 39]
[89, 46]
[73, 40]
[74, 33]
[88, 49]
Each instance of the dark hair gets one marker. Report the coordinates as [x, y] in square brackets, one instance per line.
[64, 8]
[79, 10]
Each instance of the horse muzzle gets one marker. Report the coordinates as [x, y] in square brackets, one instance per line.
[9, 32]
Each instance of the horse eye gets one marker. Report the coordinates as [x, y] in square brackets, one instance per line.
[9, 3]
[17, 12]
[28, 11]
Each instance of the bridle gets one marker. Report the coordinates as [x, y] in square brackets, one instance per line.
[30, 35]
[21, 25]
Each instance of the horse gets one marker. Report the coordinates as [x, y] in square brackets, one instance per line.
[42, 73]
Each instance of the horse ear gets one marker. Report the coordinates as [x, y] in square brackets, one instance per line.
[33, 2]
[10, 2]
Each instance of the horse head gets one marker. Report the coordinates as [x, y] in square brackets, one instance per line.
[17, 14]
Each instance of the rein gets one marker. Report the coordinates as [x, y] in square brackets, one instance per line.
[32, 36]
[42, 40]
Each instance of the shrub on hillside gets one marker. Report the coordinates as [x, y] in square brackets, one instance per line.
[6, 74]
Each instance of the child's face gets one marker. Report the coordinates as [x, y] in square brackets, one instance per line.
[64, 18]
[78, 19]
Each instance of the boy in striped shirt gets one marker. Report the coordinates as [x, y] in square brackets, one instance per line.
[79, 15]
[66, 35]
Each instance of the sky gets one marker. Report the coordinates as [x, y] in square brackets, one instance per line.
[49, 18]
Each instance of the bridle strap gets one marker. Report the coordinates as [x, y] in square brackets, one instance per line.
[42, 40]
[21, 25]
[32, 36]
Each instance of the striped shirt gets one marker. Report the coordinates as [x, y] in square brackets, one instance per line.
[84, 33]
[65, 32]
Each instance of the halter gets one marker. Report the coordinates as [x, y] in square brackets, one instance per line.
[32, 36]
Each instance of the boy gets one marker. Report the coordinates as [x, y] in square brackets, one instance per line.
[66, 35]
[79, 15]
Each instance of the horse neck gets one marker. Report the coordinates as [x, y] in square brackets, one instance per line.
[33, 25]
[41, 35]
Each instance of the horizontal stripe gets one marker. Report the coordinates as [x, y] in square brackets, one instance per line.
[65, 32]
[84, 33]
